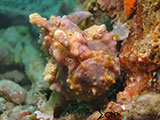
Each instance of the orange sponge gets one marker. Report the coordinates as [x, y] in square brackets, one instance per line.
[129, 7]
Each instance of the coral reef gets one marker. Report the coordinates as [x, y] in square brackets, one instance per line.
[98, 15]
[139, 55]
[97, 68]
[112, 7]
[90, 56]
[144, 41]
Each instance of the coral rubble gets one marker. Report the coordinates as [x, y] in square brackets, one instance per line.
[89, 56]
[4, 105]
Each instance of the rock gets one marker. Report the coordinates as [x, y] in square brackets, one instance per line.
[12, 91]
[145, 107]
[14, 75]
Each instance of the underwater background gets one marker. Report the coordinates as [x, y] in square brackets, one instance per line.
[79, 60]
